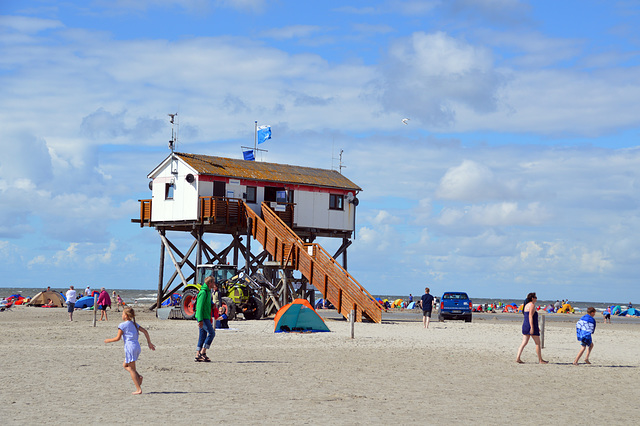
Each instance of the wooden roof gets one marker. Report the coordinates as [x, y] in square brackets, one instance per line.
[269, 172]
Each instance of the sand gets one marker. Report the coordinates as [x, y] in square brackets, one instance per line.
[57, 371]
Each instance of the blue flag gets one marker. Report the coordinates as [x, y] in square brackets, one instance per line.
[264, 133]
[248, 155]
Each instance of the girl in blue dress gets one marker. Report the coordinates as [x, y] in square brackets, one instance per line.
[130, 331]
[530, 328]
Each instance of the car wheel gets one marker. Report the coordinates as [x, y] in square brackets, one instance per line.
[440, 318]
[468, 319]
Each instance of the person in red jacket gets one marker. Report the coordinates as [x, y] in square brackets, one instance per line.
[104, 301]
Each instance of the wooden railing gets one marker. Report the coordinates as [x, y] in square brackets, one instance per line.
[145, 212]
[317, 266]
[223, 210]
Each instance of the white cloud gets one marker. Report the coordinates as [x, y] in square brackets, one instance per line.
[103, 256]
[38, 260]
[67, 256]
[471, 181]
[428, 75]
[293, 31]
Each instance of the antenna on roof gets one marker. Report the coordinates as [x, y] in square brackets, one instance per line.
[175, 126]
[340, 166]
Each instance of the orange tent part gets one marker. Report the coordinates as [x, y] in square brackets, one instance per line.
[282, 310]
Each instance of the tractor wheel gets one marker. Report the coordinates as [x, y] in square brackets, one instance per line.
[231, 308]
[255, 309]
[188, 303]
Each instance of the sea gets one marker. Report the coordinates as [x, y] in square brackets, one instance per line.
[147, 297]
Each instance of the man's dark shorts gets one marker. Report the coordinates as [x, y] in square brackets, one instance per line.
[70, 307]
[102, 307]
[426, 314]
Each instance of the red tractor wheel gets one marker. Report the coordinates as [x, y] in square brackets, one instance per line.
[188, 303]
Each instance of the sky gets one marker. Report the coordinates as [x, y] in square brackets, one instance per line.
[517, 171]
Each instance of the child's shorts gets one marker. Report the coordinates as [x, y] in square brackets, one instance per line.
[586, 341]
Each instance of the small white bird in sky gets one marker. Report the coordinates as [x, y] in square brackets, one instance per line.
[405, 120]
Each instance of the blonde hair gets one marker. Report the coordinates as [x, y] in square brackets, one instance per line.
[131, 315]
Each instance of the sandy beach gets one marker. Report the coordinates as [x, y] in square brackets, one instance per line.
[57, 371]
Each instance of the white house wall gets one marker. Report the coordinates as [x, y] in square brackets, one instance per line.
[312, 211]
[184, 205]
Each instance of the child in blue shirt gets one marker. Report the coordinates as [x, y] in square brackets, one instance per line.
[585, 327]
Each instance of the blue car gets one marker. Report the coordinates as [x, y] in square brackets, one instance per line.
[455, 305]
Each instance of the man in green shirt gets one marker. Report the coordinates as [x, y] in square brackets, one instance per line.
[204, 316]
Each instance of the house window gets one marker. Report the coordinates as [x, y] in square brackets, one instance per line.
[336, 202]
[271, 193]
[252, 194]
[168, 191]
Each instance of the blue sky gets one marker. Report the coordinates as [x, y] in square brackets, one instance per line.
[518, 171]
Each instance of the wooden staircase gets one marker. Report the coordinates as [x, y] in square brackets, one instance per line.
[316, 265]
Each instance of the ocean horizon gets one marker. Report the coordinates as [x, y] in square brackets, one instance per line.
[148, 296]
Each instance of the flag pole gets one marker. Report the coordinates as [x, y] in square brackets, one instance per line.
[255, 137]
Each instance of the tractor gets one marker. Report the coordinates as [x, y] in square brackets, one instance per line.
[238, 291]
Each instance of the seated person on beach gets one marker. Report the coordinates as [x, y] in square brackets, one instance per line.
[223, 318]
[49, 304]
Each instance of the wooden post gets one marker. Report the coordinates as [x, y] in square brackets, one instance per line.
[542, 331]
[352, 320]
[95, 308]
[160, 273]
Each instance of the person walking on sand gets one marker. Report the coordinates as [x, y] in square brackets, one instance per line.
[120, 302]
[530, 328]
[585, 327]
[427, 306]
[104, 301]
[71, 301]
[130, 331]
[204, 314]
[87, 291]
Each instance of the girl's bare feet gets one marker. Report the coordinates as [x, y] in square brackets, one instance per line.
[138, 392]
[542, 361]
[586, 361]
[519, 361]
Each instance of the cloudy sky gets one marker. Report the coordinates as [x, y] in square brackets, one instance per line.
[518, 170]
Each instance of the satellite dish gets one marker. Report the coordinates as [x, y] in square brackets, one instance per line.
[151, 185]
[190, 178]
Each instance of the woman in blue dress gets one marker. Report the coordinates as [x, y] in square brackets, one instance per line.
[530, 328]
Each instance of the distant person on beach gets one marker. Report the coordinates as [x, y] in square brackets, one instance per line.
[607, 315]
[119, 302]
[204, 314]
[530, 328]
[104, 301]
[630, 306]
[130, 331]
[427, 306]
[87, 291]
[585, 327]
[113, 297]
[71, 301]
[410, 297]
